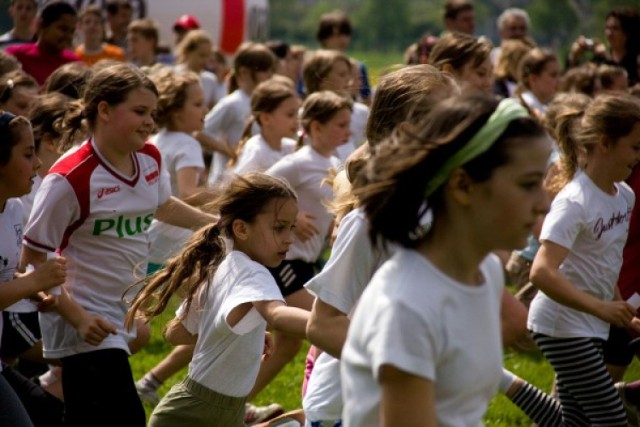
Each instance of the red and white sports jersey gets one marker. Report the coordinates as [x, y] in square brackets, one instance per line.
[97, 219]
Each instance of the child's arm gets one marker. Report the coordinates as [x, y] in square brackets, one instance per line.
[546, 276]
[177, 334]
[47, 275]
[327, 328]
[92, 329]
[209, 143]
[287, 319]
[178, 213]
[407, 400]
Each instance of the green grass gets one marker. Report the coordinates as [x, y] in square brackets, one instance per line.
[285, 389]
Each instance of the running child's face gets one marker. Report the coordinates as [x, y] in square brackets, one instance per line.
[339, 78]
[270, 234]
[16, 177]
[190, 118]
[130, 122]
[477, 77]
[624, 154]
[507, 205]
[334, 133]
[283, 121]
[545, 85]
[21, 101]
[198, 59]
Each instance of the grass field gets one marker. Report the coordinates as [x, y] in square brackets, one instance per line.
[285, 389]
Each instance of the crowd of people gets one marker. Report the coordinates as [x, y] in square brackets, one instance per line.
[477, 197]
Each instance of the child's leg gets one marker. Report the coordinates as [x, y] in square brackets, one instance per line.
[12, 413]
[537, 405]
[177, 359]
[99, 390]
[586, 390]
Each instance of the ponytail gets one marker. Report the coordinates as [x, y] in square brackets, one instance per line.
[187, 272]
[74, 126]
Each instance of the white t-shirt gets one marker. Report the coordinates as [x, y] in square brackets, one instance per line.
[593, 225]
[358, 128]
[258, 156]
[227, 359]
[11, 221]
[209, 83]
[226, 121]
[340, 284]
[179, 150]
[417, 319]
[305, 170]
[97, 219]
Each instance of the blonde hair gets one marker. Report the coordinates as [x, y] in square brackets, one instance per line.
[317, 67]
[511, 53]
[191, 41]
[172, 89]
[458, 49]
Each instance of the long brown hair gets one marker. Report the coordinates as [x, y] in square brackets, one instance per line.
[244, 198]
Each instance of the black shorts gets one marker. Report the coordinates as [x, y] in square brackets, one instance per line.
[20, 332]
[291, 276]
[616, 349]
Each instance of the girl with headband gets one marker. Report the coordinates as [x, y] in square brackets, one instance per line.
[425, 337]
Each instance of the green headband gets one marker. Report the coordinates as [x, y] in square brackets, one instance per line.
[507, 111]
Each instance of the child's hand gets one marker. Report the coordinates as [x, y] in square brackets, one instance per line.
[617, 313]
[229, 151]
[46, 302]
[305, 229]
[268, 346]
[95, 329]
[50, 273]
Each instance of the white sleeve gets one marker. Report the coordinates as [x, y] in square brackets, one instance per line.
[563, 223]
[189, 154]
[415, 353]
[191, 318]
[218, 119]
[249, 160]
[55, 208]
[352, 263]
[286, 168]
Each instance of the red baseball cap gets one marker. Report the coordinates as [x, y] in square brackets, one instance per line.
[186, 22]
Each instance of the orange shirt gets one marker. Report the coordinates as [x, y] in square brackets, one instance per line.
[108, 51]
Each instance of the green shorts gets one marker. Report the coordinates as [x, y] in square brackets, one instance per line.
[189, 403]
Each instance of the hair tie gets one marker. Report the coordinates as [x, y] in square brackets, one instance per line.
[508, 110]
[5, 119]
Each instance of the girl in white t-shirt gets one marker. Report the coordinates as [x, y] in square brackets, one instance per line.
[230, 298]
[192, 54]
[577, 266]
[424, 345]
[325, 120]
[225, 123]
[332, 70]
[274, 107]
[18, 166]
[94, 207]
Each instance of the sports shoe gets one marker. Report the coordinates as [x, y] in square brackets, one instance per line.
[147, 394]
[258, 414]
[633, 414]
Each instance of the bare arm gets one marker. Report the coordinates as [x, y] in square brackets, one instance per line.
[546, 276]
[180, 214]
[407, 400]
[291, 320]
[327, 328]
[187, 181]
[513, 317]
[176, 334]
[46, 275]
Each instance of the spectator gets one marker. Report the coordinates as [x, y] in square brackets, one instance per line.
[22, 12]
[513, 23]
[183, 25]
[119, 15]
[91, 26]
[142, 42]
[56, 25]
[459, 16]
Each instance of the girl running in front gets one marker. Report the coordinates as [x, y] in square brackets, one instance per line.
[325, 120]
[274, 106]
[577, 266]
[474, 163]
[94, 207]
[230, 297]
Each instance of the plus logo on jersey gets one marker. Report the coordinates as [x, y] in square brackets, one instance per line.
[108, 190]
[122, 225]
